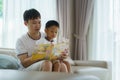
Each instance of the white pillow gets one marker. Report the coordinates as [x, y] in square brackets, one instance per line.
[8, 62]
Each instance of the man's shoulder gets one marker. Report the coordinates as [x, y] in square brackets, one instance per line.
[23, 37]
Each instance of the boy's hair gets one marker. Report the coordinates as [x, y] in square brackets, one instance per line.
[31, 14]
[51, 23]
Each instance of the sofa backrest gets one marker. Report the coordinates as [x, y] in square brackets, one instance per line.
[11, 52]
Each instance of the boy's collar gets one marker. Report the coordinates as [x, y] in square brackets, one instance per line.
[49, 40]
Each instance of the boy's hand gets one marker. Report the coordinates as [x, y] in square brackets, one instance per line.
[63, 56]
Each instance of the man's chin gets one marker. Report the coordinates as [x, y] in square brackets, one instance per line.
[36, 32]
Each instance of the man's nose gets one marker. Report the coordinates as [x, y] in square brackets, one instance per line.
[38, 25]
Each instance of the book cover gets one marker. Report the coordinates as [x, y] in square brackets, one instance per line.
[49, 51]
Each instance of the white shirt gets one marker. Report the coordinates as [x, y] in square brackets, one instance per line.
[44, 41]
[25, 44]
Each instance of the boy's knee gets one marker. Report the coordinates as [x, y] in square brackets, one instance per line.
[63, 64]
[56, 64]
[63, 67]
[47, 64]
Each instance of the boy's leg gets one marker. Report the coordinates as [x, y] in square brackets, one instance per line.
[63, 67]
[68, 66]
[56, 66]
[47, 66]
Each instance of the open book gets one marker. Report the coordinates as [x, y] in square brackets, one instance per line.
[50, 51]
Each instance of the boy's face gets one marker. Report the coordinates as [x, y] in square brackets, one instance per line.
[51, 32]
[33, 25]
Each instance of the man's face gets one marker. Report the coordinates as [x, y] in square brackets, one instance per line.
[51, 32]
[33, 25]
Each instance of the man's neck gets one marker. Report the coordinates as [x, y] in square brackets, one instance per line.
[34, 36]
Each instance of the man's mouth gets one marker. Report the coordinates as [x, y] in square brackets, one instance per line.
[37, 29]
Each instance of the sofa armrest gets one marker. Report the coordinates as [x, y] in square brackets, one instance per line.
[8, 51]
[102, 64]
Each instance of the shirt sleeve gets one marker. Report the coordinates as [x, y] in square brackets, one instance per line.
[20, 47]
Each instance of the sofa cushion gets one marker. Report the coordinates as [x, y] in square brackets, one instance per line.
[102, 73]
[70, 61]
[95, 63]
[37, 75]
[8, 62]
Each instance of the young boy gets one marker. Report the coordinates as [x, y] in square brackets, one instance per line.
[51, 30]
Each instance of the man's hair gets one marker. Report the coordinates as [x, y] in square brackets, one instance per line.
[51, 23]
[31, 14]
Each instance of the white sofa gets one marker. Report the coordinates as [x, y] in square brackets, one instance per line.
[99, 69]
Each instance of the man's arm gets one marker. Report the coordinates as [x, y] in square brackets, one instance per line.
[26, 60]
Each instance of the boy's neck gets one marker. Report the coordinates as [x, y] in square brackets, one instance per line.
[50, 40]
[34, 36]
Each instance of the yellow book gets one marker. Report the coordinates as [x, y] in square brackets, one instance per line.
[49, 51]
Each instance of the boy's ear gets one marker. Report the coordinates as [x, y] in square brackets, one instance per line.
[45, 30]
[25, 22]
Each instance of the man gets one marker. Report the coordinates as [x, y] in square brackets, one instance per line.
[25, 45]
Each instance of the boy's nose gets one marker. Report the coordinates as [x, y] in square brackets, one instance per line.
[54, 35]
